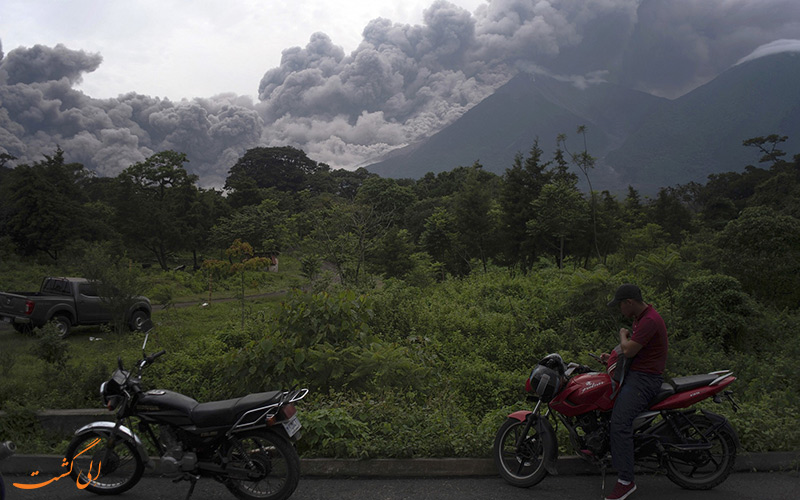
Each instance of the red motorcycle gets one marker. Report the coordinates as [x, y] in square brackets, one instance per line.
[696, 449]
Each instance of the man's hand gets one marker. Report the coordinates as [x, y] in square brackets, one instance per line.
[604, 357]
[630, 348]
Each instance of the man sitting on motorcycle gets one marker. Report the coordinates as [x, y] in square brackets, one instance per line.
[646, 348]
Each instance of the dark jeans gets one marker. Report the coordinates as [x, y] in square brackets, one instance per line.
[639, 388]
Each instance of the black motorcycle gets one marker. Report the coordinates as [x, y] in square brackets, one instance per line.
[245, 443]
[6, 450]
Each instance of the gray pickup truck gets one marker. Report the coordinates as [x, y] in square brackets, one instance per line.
[68, 302]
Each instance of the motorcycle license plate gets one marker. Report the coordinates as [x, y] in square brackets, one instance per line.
[292, 426]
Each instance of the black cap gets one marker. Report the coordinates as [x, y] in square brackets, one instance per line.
[625, 292]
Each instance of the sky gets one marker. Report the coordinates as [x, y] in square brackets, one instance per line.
[192, 48]
[113, 82]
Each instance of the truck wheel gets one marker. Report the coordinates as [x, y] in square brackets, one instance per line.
[137, 320]
[63, 324]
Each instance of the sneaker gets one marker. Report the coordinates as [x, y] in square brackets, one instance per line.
[621, 491]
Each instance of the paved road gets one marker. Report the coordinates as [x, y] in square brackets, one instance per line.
[740, 486]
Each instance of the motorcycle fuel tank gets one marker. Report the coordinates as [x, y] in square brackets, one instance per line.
[166, 406]
[584, 393]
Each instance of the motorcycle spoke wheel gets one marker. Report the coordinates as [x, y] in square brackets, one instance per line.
[103, 469]
[523, 465]
[270, 463]
[702, 469]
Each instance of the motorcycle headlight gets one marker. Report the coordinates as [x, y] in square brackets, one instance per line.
[111, 393]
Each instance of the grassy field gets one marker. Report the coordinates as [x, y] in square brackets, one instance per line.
[47, 373]
[399, 371]
[29, 383]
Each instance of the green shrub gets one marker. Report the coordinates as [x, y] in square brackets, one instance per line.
[50, 347]
[332, 432]
[716, 308]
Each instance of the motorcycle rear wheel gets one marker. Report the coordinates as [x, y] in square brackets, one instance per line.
[271, 461]
[522, 466]
[702, 469]
[104, 470]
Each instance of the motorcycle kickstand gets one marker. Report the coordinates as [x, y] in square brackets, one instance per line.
[192, 479]
[603, 480]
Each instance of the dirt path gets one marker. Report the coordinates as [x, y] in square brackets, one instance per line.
[180, 305]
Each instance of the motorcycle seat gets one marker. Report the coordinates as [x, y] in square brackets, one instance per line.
[227, 412]
[666, 391]
[683, 384]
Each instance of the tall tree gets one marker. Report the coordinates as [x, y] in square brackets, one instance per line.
[440, 240]
[387, 196]
[45, 205]
[205, 209]
[263, 225]
[345, 233]
[522, 184]
[284, 168]
[768, 146]
[157, 197]
[609, 225]
[560, 211]
[477, 215]
[670, 212]
[585, 162]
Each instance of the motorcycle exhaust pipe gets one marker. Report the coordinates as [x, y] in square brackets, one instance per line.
[7, 449]
[690, 447]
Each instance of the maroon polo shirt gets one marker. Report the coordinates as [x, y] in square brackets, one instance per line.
[650, 331]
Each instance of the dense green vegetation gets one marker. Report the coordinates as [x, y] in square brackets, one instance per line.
[418, 307]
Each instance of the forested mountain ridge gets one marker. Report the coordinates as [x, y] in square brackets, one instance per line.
[638, 139]
[524, 109]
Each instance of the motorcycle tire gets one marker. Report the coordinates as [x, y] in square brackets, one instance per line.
[271, 462]
[702, 469]
[524, 466]
[104, 470]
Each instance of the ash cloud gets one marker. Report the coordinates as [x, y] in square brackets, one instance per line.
[44, 64]
[403, 82]
[678, 45]
[40, 110]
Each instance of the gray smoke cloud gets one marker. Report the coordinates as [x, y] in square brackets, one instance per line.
[44, 64]
[680, 44]
[402, 83]
[40, 110]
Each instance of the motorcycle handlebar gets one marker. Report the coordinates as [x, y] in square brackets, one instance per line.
[596, 357]
[155, 356]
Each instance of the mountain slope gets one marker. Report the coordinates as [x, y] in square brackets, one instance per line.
[639, 140]
[702, 132]
[509, 121]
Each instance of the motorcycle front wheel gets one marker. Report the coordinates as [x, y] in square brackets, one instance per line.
[262, 465]
[521, 466]
[104, 469]
[702, 469]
